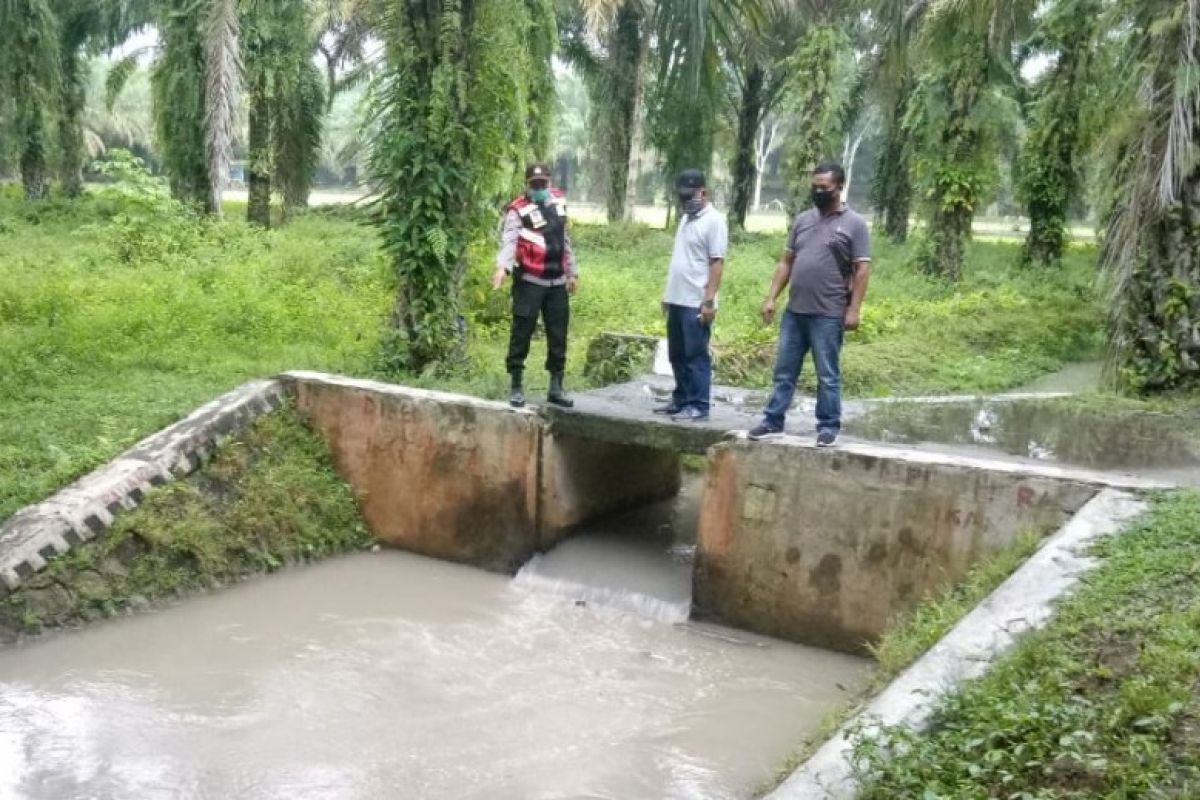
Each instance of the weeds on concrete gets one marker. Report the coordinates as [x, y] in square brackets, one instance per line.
[269, 498]
[1102, 703]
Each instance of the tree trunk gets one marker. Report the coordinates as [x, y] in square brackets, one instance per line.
[35, 176]
[955, 177]
[637, 131]
[765, 146]
[619, 101]
[745, 172]
[1158, 326]
[849, 155]
[892, 192]
[70, 125]
[258, 210]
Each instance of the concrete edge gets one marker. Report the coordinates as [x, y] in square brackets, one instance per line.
[1108, 480]
[396, 390]
[1023, 602]
[87, 507]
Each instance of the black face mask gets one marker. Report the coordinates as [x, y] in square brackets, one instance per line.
[691, 202]
[823, 199]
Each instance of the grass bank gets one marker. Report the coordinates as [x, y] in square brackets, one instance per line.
[1102, 703]
[119, 314]
[269, 498]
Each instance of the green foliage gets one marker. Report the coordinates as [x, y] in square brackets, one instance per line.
[816, 100]
[1101, 703]
[269, 498]
[1152, 246]
[1049, 169]
[956, 119]
[97, 352]
[177, 83]
[150, 226]
[30, 87]
[452, 108]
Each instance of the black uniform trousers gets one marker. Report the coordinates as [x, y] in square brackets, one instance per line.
[554, 305]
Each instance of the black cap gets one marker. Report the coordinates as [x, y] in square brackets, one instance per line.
[691, 179]
[537, 170]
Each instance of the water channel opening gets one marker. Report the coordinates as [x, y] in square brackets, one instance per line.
[637, 561]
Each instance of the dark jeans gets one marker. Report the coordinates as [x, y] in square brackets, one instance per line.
[800, 333]
[554, 305]
[687, 347]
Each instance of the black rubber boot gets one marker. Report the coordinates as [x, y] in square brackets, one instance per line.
[556, 395]
[516, 398]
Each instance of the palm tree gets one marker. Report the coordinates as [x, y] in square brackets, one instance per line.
[969, 48]
[758, 72]
[895, 24]
[30, 85]
[610, 42]
[452, 111]
[86, 27]
[1070, 30]
[815, 99]
[1152, 243]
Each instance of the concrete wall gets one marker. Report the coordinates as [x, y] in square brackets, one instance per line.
[438, 474]
[825, 546]
[469, 480]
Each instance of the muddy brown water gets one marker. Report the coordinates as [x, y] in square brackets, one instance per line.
[389, 675]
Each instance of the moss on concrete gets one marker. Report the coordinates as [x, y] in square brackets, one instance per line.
[269, 498]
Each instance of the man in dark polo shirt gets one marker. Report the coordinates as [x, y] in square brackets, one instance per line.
[828, 264]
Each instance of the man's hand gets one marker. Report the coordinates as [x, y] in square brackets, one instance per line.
[498, 277]
[853, 318]
[768, 312]
[572, 283]
[707, 314]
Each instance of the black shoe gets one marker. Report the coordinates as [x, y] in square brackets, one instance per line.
[516, 397]
[764, 431]
[556, 395]
[670, 409]
[827, 438]
[690, 414]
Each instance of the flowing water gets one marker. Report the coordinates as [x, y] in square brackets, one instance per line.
[389, 675]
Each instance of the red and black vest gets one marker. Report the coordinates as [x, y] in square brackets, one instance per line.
[542, 244]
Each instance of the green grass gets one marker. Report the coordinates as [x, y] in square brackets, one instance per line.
[118, 316]
[270, 497]
[909, 635]
[1102, 703]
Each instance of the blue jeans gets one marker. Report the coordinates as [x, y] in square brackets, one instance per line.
[687, 347]
[798, 334]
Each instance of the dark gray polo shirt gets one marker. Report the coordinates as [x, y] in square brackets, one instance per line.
[826, 246]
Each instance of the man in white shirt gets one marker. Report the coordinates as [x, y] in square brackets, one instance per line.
[690, 301]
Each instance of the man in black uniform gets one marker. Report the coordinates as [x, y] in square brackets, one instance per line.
[536, 251]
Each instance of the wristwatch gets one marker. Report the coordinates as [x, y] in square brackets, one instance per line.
[710, 304]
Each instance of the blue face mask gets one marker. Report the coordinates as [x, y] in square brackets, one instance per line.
[539, 196]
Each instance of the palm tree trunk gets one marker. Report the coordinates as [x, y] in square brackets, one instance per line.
[638, 128]
[258, 209]
[618, 102]
[35, 176]
[70, 125]
[892, 192]
[1160, 320]
[745, 172]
